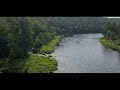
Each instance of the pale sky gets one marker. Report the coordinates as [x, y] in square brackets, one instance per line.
[113, 17]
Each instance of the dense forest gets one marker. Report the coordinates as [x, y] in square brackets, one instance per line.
[21, 36]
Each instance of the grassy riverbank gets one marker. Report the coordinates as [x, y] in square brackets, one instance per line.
[115, 45]
[49, 48]
[40, 64]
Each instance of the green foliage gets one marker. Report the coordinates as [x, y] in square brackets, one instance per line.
[111, 30]
[37, 45]
[13, 66]
[115, 45]
[4, 28]
[40, 64]
[17, 36]
[19, 53]
[49, 48]
[25, 40]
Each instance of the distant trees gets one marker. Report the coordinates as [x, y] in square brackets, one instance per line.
[76, 25]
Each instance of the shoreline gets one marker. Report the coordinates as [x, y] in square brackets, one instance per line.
[50, 47]
[46, 52]
[114, 45]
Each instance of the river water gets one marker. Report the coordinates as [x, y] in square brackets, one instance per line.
[85, 54]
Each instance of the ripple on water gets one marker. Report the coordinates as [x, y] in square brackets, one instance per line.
[88, 56]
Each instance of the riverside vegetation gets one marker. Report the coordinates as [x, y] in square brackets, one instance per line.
[111, 34]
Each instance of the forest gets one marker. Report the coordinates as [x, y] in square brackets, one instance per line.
[23, 39]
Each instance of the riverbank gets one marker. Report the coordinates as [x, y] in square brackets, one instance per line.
[40, 64]
[49, 48]
[36, 63]
[115, 45]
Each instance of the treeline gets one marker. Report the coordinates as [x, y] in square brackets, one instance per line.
[76, 25]
[111, 29]
[21, 35]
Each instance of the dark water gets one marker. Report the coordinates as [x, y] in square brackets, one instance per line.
[84, 54]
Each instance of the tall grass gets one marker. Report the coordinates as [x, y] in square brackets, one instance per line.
[49, 48]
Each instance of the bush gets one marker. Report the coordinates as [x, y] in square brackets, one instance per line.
[35, 50]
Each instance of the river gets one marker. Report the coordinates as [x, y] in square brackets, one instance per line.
[85, 54]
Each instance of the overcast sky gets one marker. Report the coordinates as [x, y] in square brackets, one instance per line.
[113, 17]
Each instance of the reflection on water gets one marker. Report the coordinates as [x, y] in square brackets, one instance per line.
[84, 54]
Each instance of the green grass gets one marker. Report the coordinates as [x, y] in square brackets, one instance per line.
[40, 64]
[115, 45]
[34, 64]
[49, 48]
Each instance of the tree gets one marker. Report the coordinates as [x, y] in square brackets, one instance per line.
[4, 31]
[37, 45]
[25, 40]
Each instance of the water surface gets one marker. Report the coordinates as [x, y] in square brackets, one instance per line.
[85, 54]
